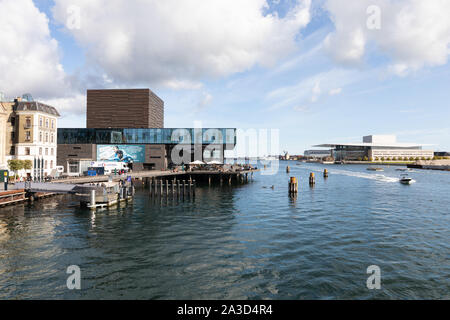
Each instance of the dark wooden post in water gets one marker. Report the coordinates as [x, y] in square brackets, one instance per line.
[194, 188]
[229, 180]
[293, 186]
[221, 180]
[173, 189]
[167, 188]
[288, 169]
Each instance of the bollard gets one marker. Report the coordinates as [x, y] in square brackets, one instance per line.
[293, 185]
[312, 179]
[92, 203]
[325, 173]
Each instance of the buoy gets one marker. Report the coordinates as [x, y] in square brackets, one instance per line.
[325, 173]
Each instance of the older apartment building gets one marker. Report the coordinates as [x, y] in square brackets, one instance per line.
[30, 133]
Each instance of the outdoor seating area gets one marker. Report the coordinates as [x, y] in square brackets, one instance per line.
[215, 166]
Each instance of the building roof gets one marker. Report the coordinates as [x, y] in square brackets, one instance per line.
[36, 106]
[379, 141]
[365, 144]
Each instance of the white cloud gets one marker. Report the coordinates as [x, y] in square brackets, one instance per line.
[316, 91]
[334, 92]
[174, 41]
[205, 100]
[413, 33]
[74, 105]
[310, 89]
[183, 84]
[29, 58]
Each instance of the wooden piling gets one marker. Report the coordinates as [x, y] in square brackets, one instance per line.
[293, 186]
[312, 179]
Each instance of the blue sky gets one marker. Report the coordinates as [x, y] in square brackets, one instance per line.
[315, 71]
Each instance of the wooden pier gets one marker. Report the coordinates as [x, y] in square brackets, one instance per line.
[161, 184]
[13, 197]
[210, 177]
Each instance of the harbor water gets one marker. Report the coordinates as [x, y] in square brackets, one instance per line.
[247, 241]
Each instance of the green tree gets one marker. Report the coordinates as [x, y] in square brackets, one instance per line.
[15, 165]
[28, 164]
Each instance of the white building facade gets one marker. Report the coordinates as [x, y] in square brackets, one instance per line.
[34, 137]
[378, 148]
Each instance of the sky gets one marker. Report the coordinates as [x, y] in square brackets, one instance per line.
[318, 71]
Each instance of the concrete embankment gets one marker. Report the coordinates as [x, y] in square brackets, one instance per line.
[432, 165]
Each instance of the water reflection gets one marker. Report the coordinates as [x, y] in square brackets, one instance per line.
[245, 241]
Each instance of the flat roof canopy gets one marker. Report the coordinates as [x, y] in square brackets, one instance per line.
[378, 145]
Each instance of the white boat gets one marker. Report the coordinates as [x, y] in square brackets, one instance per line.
[405, 179]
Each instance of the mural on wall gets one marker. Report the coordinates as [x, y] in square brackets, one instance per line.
[121, 153]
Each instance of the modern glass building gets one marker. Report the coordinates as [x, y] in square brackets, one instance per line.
[142, 149]
[127, 125]
[171, 136]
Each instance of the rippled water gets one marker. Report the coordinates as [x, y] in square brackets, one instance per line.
[242, 242]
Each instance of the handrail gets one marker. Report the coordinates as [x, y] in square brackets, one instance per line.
[12, 195]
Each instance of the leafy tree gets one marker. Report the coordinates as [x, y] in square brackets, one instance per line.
[15, 165]
[28, 164]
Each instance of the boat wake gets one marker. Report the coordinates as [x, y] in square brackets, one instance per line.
[376, 177]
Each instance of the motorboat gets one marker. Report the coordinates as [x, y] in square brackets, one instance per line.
[375, 169]
[403, 169]
[405, 179]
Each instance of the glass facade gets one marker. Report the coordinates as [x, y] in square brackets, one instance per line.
[147, 136]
